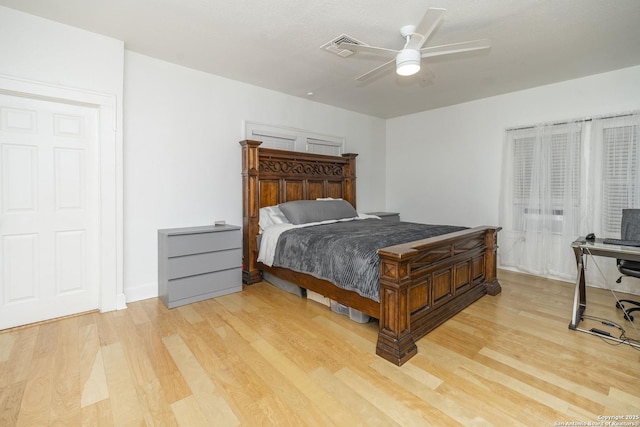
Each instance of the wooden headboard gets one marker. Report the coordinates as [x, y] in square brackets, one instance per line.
[271, 177]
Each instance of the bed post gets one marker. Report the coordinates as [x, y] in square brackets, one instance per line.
[491, 271]
[350, 179]
[250, 206]
[395, 341]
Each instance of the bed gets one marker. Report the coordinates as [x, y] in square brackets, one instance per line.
[422, 283]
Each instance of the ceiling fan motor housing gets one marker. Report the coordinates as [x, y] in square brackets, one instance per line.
[407, 31]
[408, 62]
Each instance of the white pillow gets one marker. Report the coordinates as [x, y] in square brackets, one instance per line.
[271, 215]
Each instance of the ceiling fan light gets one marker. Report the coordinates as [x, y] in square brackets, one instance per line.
[407, 62]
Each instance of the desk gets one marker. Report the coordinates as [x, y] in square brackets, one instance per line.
[582, 247]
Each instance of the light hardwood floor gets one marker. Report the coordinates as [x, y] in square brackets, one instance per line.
[264, 357]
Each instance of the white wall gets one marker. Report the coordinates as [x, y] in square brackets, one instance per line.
[182, 157]
[37, 49]
[443, 166]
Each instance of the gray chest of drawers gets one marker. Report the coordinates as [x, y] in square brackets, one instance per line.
[198, 263]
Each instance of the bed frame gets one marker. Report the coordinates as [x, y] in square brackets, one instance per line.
[422, 283]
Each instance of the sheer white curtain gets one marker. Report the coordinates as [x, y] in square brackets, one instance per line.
[614, 184]
[561, 181]
[543, 205]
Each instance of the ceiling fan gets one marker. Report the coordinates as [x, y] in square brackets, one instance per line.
[408, 59]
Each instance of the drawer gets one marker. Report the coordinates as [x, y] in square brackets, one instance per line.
[185, 244]
[191, 265]
[211, 283]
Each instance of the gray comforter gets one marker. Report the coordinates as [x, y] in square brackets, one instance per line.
[344, 253]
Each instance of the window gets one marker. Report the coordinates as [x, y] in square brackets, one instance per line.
[323, 146]
[283, 138]
[522, 164]
[546, 176]
[273, 139]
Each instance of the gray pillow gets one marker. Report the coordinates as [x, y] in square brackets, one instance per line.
[305, 211]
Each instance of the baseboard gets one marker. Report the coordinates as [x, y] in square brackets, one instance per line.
[145, 291]
[121, 302]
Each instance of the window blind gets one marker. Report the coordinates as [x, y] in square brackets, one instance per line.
[619, 175]
[522, 164]
[321, 146]
[546, 176]
[274, 140]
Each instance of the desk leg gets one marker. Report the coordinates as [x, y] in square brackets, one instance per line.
[579, 297]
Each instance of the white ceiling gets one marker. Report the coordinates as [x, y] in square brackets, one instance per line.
[276, 43]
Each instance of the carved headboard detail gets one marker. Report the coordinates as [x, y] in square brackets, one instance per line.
[270, 165]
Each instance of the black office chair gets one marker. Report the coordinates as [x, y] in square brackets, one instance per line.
[630, 231]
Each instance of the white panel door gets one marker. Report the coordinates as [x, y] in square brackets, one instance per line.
[49, 210]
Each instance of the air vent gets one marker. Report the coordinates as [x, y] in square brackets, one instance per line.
[332, 46]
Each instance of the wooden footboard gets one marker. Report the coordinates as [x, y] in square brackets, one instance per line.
[426, 282]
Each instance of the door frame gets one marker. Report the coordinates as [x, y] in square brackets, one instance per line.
[110, 249]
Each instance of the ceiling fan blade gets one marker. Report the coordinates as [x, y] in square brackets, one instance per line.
[423, 30]
[447, 49]
[368, 49]
[376, 70]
